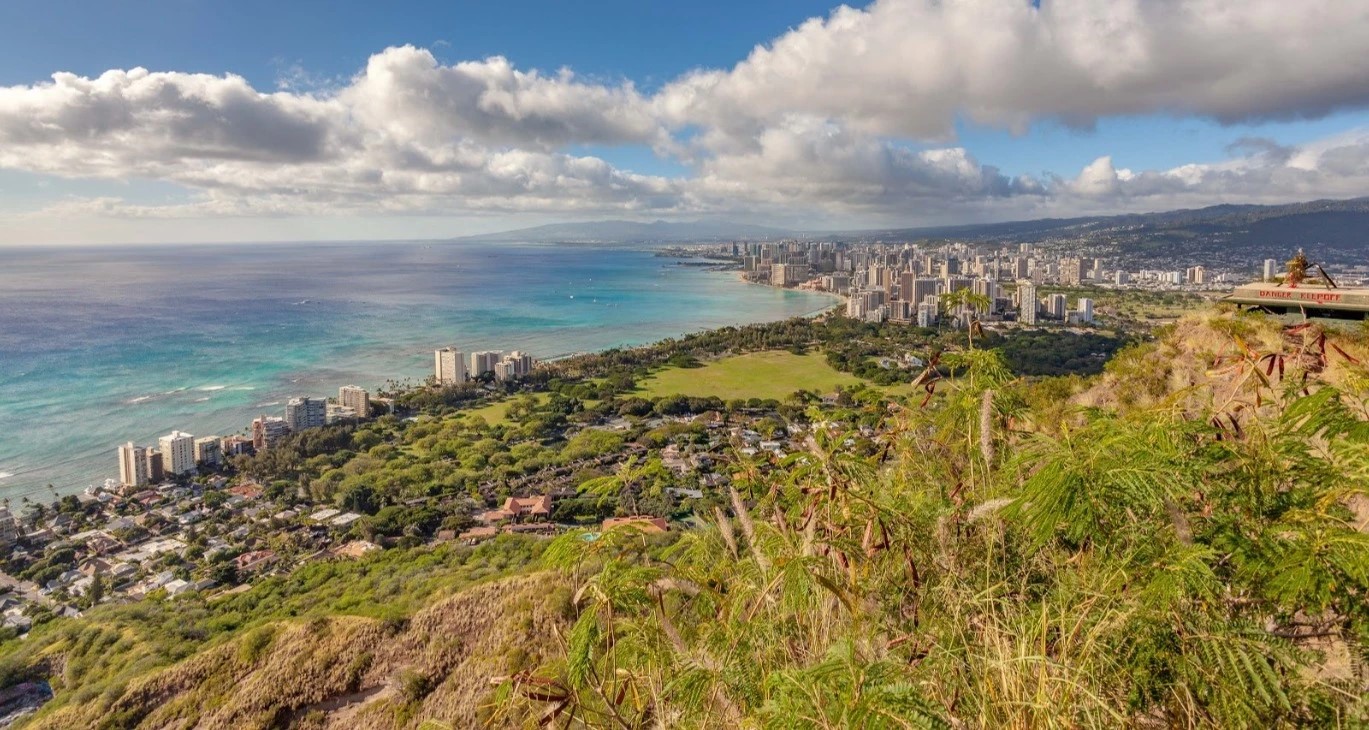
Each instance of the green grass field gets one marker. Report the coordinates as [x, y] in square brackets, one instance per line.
[774, 374]
[496, 412]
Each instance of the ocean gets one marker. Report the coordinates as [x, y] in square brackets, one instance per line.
[99, 346]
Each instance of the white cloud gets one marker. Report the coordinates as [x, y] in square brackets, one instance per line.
[848, 117]
[910, 68]
[406, 94]
[810, 160]
[136, 122]
[407, 134]
[1336, 167]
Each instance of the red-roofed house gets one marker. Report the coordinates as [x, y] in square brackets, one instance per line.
[256, 560]
[246, 490]
[520, 509]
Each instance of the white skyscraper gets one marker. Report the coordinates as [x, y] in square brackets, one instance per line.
[132, 465]
[1056, 305]
[178, 452]
[1271, 269]
[449, 366]
[1085, 309]
[484, 361]
[1026, 302]
[926, 314]
[302, 413]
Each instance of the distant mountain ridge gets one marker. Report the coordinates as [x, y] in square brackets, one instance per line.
[1212, 218]
[1337, 224]
[620, 231]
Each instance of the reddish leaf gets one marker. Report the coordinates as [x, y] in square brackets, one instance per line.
[1344, 354]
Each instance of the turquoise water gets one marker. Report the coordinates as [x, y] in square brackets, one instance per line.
[101, 346]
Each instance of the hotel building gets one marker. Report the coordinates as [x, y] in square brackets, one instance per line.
[449, 366]
[132, 465]
[178, 452]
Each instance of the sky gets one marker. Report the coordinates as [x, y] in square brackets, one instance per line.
[192, 120]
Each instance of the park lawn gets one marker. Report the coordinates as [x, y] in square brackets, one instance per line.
[772, 374]
[498, 411]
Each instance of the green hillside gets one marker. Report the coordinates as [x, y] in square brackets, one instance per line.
[1179, 541]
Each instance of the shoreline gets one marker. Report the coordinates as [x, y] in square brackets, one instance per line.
[50, 492]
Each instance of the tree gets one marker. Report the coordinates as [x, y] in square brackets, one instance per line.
[359, 498]
[970, 300]
[96, 591]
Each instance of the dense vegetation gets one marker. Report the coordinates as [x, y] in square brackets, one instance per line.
[91, 661]
[1190, 551]
[1052, 352]
[1177, 541]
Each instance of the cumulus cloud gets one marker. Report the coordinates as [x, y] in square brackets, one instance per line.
[910, 68]
[408, 95]
[811, 160]
[1266, 173]
[132, 121]
[850, 115]
[406, 134]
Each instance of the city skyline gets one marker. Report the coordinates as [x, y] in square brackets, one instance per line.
[452, 121]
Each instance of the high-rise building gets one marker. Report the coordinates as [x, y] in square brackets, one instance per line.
[523, 362]
[132, 465]
[302, 413]
[1121, 277]
[855, 307]
[208, 451]
[1085, 309]
[155, 471]
[267, 431]
[513, 366]
[350, 396]
[1271, 269]
[178, 452]
[449, 366]
[956, 283]
[1019, 267]
[926, 314]
[1056, 305]
[987, 288]
[788, 274]
[9, 528]
[1071, 271]
[914, 289]
[235, 445]
[1026, 302]
[484, 361]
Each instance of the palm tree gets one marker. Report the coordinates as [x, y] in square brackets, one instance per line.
[970, 300]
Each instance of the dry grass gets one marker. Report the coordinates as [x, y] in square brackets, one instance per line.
[350, 672]
[1194, 366]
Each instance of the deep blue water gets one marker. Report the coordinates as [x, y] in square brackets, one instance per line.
[99, 346]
